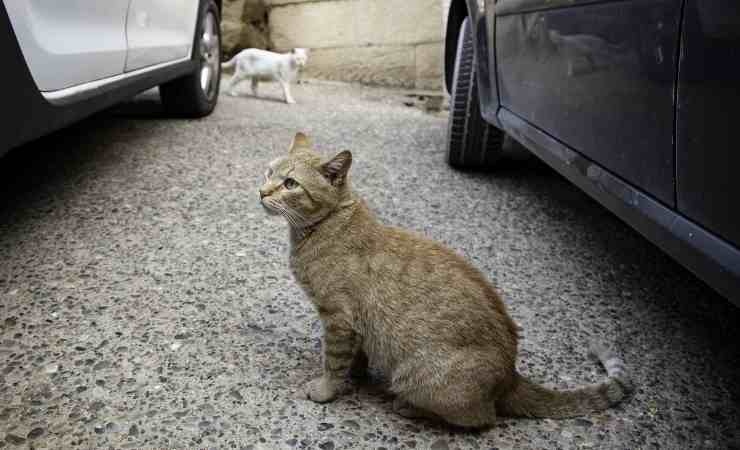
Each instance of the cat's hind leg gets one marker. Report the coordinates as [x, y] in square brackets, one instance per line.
[286, 91]
[235, 79]
[459, 390]
[409, 411]
[464, 405]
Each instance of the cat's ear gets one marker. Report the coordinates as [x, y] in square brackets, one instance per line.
[335, 170]
[300, 141]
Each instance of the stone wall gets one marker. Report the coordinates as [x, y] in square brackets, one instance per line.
[244, 25]
[384, 42]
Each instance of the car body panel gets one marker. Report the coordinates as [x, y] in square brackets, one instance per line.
[159, 31]
[600, 78]
[700, 232]
[33, 115]
[709, 257]
[94, 44]
[708, 110]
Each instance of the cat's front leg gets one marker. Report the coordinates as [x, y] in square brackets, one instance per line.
[286, 91]
[341, 345]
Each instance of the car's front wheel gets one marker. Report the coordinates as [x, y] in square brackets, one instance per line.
[196, 94]
[471, 141]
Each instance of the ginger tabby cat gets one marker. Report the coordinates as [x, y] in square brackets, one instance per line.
[409, 306]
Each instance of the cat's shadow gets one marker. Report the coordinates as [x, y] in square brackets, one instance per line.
[148, 105]
[246, 96]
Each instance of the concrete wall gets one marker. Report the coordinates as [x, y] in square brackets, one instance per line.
[385, 42]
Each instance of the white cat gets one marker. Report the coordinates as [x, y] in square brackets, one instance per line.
[263, 65]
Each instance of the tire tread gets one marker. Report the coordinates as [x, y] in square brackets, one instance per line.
[471, 141]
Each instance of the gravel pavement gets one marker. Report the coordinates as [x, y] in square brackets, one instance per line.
[145, 299]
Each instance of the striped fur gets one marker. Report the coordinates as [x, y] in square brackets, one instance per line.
[527, 399]
[410, 307]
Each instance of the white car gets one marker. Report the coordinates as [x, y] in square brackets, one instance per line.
[63, 60]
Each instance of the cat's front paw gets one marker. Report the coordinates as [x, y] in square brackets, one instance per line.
[290, 101]
[320, 390]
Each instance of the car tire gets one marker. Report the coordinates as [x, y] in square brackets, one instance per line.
[471, 141]
[196, 94]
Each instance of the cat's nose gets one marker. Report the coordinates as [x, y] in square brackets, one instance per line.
[263, 194]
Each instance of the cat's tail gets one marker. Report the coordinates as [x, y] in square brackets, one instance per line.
[528, 399]
[229, 64]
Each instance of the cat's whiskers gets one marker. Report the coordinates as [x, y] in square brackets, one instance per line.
[300, 217]
[297, 222]
[290, 215]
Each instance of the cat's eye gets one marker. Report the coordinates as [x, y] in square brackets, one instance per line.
[290, 183]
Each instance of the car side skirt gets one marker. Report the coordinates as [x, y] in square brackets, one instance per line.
[706, 255]
[84, 91]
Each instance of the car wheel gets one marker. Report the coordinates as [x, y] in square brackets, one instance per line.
[471, 141]
[196, 94]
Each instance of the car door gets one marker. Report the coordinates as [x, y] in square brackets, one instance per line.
[159, 31]
[707, 154]
[70, 42]
[598, 76]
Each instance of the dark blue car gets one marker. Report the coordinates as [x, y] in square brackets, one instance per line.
[634, 101]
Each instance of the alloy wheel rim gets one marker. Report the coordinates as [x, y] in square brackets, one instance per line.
[210, 49]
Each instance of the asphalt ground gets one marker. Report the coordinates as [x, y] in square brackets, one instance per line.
[145, 298]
